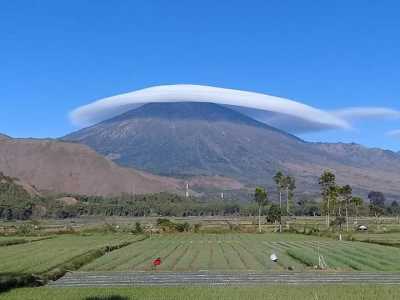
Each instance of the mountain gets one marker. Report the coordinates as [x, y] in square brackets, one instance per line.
[186, 139]
[4, 137]
[62, 167]
[179, 139]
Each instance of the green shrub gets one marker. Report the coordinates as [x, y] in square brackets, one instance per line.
[138, 228]
[12, 280]
[25, 229]
[196, 227]
[182, 227]
[12, 242]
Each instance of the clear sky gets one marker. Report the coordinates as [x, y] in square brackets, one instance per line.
[58, 55]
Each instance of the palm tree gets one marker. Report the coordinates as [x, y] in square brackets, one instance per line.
[357, 202]
[327, 181]
[290, 186]
[345, 193]
[278, 178]
[261, 198]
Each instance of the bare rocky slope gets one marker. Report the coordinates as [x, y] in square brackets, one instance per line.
[63, 167]
[205, 139]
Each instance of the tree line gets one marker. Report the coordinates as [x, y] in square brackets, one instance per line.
[337, 202]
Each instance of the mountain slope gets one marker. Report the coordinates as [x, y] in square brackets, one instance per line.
[188, 139]
[71, 168]
[185, 139]
[4, 137]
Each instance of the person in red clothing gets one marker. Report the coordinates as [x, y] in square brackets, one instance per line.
[156, 262]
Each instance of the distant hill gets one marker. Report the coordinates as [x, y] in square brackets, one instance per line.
[62, 167]
[4, 137]
[188, 139]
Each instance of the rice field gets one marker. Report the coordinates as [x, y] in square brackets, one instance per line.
[44, 255]
[282, 292]
[247, 252]
[392, 238]
[201, 253]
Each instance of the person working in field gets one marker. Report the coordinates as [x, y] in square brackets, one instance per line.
[156, 263]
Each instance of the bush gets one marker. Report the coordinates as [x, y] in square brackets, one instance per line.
[165, 223]
[25, 229]
[182, 227]
[12, 242]
[196, 228]
[138, 228]
[169, 226]
[10, 280]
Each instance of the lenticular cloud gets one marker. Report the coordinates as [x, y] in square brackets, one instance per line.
[282, 113]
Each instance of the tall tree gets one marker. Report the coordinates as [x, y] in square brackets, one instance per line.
[278, 178]
[377, 204]
[274, 214]
[261, 198]
[394, 208]
[290, 184]
[357, 202]
[346, 193]
[327, 182]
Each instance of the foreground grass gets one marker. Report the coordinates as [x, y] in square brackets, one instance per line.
[283, 292]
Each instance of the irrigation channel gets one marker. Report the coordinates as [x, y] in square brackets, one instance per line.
[107, 279]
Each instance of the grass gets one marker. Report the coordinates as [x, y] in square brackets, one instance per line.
[44, 255]
[282, 292]
[390, 239]
[247, 252]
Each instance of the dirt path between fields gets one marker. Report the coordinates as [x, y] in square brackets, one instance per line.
[99, 279]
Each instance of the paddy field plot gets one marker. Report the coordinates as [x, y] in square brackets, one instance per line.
[247, 253]
[41, 256]
[390, 238]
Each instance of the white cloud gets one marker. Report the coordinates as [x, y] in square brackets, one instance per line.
[352, 113]
[276, 108]
[394, 133]
[285, 114]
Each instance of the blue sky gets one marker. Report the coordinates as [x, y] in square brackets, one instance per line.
[58, 55]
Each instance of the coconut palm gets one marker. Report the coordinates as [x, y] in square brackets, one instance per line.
[327, 181]
[261, 198]
[357, 202]
[279, 181]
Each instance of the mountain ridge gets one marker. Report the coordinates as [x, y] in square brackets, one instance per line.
[213, 140]
[62, 167]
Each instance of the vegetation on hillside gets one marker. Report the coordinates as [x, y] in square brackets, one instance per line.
[15, 201]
